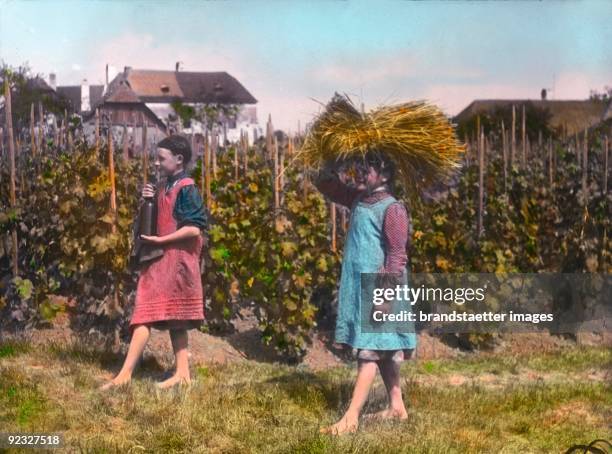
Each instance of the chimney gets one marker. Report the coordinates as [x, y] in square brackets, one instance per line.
[543, 94]
[85, 106]
[52, 81]
[127, 69]
[105, 90]
[177, 65]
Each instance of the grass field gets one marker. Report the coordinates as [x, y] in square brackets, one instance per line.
[532, 403]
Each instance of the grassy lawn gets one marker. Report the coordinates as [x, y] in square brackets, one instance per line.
[534, 403]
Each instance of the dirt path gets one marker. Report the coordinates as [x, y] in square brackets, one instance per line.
[245, 344]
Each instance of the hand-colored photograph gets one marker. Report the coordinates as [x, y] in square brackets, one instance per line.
[305, 226]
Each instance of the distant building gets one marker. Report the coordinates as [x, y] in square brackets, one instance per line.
[137, 92]
[571, 116]
[80, 97]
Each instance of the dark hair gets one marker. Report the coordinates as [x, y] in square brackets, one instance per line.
[177, 145]
[380, 161]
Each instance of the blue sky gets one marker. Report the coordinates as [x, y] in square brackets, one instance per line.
[286, 53]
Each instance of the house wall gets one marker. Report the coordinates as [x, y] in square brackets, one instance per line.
[246, 121]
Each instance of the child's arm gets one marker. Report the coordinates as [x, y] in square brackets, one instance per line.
[396, 228]
[187, 231]
[328, 182]
[190, 215]
[189, 209]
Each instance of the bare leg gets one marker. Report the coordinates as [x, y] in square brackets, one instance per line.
[350, 421]
[390, 371]
[180, 342]
[140, 336]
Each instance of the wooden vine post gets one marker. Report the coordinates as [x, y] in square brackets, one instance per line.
[207, 171]
[513, 147]
[578, 151]
[70, 141]
[41, 136]
[540, 142]
[145, 148]
[585, 165]
[605, 192]
[246, 151]
[550, 162]
[215, 143]
[305, 183]
[65, 129]
[97, 130]
[523, 138]
[32, 130]
[60, 137]
[111, 173]
[11, 146]
[56, 134]
[477, 131]
[202, 166]
[193, 143]
[126, 143]
[281, 169]
[333, 225]
[275, 173]
[115, 306]
[269, 134]
[606, 151]
[505, 155]
[236, 148]
[480, 183]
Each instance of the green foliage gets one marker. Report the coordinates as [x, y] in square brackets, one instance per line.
[281, 262]
[65, 236]
[26, 89]
[275, 260]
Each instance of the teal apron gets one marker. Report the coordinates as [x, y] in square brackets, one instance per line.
[364, 252]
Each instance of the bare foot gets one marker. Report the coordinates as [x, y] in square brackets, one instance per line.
[115, 382]
[346, 425]
[172, 381]
[387, 413]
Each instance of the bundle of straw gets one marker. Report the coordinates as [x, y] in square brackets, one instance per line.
[416, 135]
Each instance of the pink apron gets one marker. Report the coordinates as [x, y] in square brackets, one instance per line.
[170, 288]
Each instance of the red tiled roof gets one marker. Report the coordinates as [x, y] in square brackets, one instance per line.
[122, 94]
[167, 86]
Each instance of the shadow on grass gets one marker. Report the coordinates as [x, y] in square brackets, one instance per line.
[325, 391]
[110, 361]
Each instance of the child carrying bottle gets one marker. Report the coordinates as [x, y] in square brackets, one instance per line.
[169, 295]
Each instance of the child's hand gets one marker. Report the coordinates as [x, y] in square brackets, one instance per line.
[152, 239]
[148, 190]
